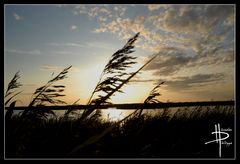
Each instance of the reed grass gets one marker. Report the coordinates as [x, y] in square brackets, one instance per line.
[114, 73]
[11, 93]
[113, 77]
[181, 136]
[48, 93]
[152, 97]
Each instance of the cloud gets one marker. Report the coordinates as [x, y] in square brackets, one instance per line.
[185, 83]
[143, 81]
[23, 52]
[54, 68]
[193, 82]
[153, 7]
[65, 44]
[184, 36]
[200, 18]
[94, 44]
[228, 56]
[17, 17]
[102, 13]
[126, 27]
[101, 45]
[74, 45]
[192, 26]
[102, 19]
[99, 30]
[62, 52]
[119, 10]
[169, 61]
[73, 28]
[91, 10]
[51, 68]
[59, 5]
[96, 11]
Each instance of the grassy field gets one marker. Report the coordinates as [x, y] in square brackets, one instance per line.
[181, 135]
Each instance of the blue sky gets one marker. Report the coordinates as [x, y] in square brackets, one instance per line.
[195, 44]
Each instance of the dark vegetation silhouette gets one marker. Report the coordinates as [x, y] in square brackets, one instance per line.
[41, 134]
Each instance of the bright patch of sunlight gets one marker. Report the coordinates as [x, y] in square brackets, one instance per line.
[88, 79]
[114, 114]
[134, 93]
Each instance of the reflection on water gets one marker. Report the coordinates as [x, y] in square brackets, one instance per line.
[113, 114]
[119, 114]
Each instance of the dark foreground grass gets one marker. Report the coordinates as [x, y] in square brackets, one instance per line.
[163, 136]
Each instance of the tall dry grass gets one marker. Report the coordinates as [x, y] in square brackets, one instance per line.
[162, 136]
[48, 93]
[12, 93]
[114, 76]
[112, 79]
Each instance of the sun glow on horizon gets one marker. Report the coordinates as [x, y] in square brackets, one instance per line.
[113, 114]
[86, 36]
[133, 92]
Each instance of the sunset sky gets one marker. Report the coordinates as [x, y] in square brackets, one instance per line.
[195, 46]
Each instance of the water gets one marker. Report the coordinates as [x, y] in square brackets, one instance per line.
[113, 114]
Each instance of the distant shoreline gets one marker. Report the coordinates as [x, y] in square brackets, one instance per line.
[132, 106]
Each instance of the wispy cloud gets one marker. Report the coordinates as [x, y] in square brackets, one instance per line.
[200, 18]
[171, 60]
[120, 10]
[184, 36]
[136, 80]
[193, 27]
[95, 44]
[169, 65]
[194, 81]
[74, 45]
[102, 13]
[62, 52]
[17, 17]
[101, 45]
[55, 68]
[73, 28]
[171, 29]
[23, 52]
[51, 68]
[91, 10]
[65, 44]
[125, 27]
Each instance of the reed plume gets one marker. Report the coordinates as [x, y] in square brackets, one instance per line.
[11, 93]
[152, 97]
[113, 76]
[48, 93]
